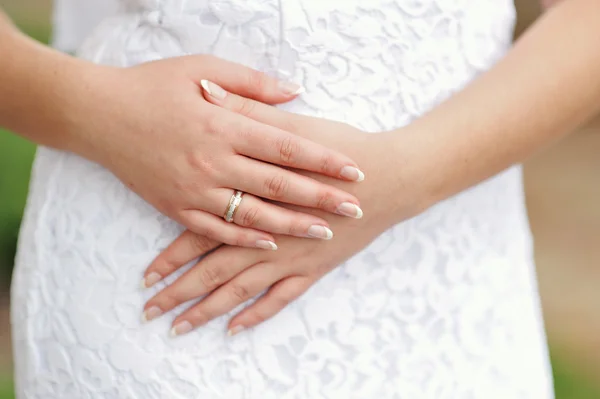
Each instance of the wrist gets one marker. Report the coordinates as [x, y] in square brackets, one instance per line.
[408, 175]
[40, 91]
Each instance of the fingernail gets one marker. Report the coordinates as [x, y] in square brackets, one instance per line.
[181, 328]
[320, 232]
[213, 89]
[151, 313]
[151, 279]
[352, 173]
[349, 209]
[264, 244]
[235, 330]
[290, 88]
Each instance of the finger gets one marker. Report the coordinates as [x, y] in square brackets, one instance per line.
[187, 247]
[247, 82]
[271, 182]
[275, 299]
[226, 298]
[264, 216]
[277, 146]
[204, 277]
[217, 229]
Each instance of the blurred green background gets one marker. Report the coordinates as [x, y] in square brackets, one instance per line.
[563, 194]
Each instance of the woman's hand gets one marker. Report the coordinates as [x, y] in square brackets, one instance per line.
[151, 126]
[232, 275]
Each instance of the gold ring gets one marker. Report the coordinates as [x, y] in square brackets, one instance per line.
[234, 203]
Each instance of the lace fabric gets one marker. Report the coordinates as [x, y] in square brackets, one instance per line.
[444, 305]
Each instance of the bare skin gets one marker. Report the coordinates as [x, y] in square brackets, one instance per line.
[152, 128]
[522, 106]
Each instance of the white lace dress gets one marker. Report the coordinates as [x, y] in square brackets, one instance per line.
[441, 306]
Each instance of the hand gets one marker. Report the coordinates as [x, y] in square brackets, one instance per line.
[154, 130]
[233, 275]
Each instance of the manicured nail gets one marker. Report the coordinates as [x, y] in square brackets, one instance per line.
[290, 88]
[352, 173]
[151, 313]
[264, 244]
[321, 232]
[235, 330]
[213, 89]
[351, 210]
[151, 279]
[181, 328]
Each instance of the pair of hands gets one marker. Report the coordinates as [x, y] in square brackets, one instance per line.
[185, 152]
[231, 275]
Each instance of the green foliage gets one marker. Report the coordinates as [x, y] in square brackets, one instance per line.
[6, 388]
[16, 156]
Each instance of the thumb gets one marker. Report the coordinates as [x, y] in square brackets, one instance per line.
[242, 80]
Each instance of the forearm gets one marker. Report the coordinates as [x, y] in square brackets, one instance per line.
[546, 86]
[37, 88]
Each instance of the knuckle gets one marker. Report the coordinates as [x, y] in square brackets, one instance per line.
[288, 149]
[239, 292]
[201, 243]
[276, 187]
[325, 199]
[257, 81]
[250, 217]
[198, 317]
[210, 234]
[168, 300]
[213, 124]
[295, 228]
[211, 277]
[327, 160]
[200, 163]
[241, 239]
[246, 107]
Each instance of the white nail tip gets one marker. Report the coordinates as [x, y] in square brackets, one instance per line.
[352, 173]
[361, 175]
[350, 210]
[268, 245]
[300, 91]
[359, 212]
[205, 86]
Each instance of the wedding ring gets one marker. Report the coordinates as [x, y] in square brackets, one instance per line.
[234, 203]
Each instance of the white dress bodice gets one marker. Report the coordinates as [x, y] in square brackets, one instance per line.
[443, 305]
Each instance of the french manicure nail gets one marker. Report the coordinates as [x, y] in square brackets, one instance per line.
[349, 209]
[151, 279]
[352, 173]
[181, 328]
[264, 244]
[321, 232]
[213, 89]
[290, 88]
[151, 313]
[235, 330]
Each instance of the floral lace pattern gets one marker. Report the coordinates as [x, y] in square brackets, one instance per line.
[444, 305]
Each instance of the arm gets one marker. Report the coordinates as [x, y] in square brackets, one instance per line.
[34, 96]
[152, 128]
[545, 87]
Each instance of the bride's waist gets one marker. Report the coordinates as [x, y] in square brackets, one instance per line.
[133, 38]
